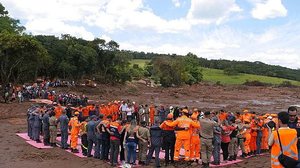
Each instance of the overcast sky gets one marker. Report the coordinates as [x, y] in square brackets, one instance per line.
[253, 30]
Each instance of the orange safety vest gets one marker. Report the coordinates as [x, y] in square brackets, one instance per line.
[288, 138]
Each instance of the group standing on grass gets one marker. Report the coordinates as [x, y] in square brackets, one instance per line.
[124, 127]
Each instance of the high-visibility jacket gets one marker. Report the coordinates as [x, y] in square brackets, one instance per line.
[184, 122]
[288, 138]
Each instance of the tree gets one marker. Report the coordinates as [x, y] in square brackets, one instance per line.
[21, 57]
[9, 24]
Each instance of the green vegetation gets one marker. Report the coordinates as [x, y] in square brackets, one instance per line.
[221, 77]
[215, 75]
[140, 62]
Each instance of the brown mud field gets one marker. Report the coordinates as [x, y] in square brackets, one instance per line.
[16, 153]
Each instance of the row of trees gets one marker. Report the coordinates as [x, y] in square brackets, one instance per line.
[24, 57]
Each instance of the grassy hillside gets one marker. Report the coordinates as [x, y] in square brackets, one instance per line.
[215, 75]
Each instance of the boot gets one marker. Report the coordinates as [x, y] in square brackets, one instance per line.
[230, 158]
[234, 157]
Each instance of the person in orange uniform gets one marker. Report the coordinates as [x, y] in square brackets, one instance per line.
[253, 127]
[247, 137]
[284, 139]
[151, 114]
[169, 139]
[58, 111]
[184, 123]
[246, 116]
[223, 115]
[195, 141]
[265, 135]
[75, 128]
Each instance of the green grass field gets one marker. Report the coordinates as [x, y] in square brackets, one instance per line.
[215, 75]
[140, 62]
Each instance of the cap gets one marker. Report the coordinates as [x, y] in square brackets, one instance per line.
[270, 117]
[76, 113]
[170, 116]
[246, 120]
[246, 111]
[171, 107]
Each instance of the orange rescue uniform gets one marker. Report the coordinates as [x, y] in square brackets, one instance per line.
[75, 128]
[183, 137]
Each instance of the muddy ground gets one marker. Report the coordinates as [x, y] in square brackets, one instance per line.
[15, 152]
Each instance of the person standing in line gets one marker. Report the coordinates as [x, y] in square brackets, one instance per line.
[114, 129]
[294, 122]
[98, 133]
[169, 140]
[83, 136]
[37, 122]
[91, 134]
[207, 135]
[53, 129]
[46, 125]
[216, 141]
[131, 141]
[143, 135]
[285, 136]
[63, 121]
[75, 127]
[155, 142]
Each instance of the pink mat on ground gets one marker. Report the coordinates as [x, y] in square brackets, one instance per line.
[32, 142]
[24, 136]
[38, 145]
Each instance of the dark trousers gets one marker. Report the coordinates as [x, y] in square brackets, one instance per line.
[64, 139]
[84, 144]
[97, 148]
[216, 151]
[122, 152]
[91, 142]
[114, 151]
[105, 149]
[258, 142]
[29, 129]
[151, 151]
[46, 135]
[224, 147]
[169, 146]
[36, 133]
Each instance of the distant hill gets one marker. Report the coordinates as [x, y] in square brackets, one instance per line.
[256, 68]
[218, 76]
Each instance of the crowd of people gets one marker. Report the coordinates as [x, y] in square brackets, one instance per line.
[124, 127]
[42, 90]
